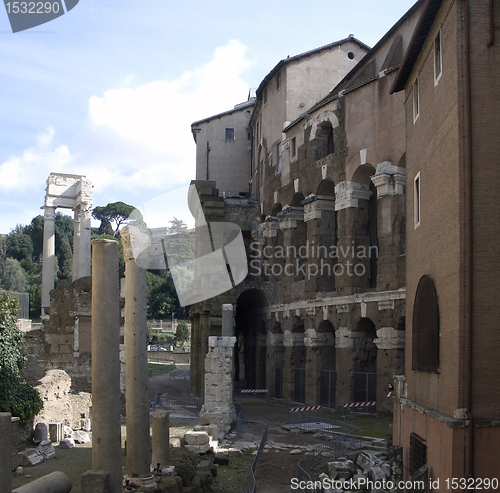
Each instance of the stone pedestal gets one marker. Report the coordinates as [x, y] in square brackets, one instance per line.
[161, 437]
[218, 408]
[136, 375]
[6, 452]
[106, 436]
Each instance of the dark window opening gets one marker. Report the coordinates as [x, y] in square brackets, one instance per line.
[229, 133]
[425, 327]
[418, 453]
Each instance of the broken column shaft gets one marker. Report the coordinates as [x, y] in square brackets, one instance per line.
[136, 369]
[106, 428]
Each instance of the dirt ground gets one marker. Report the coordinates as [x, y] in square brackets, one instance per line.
[276, 467]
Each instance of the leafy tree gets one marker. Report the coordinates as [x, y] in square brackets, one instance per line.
[19, 246]
[162, 300]
[16, 396]
[150, 334]
[12, 276]
[35, 231]
[65, 259]
[179, 242]
[182, 333]
[115, 212]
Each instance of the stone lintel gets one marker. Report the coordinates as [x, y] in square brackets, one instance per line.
[433, 413]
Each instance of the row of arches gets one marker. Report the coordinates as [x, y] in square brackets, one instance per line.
[296, 367]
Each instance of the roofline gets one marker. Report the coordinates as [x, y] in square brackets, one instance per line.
[333, 94]
[289, 59]
[422, 29]
[379, 43]
[238, 107]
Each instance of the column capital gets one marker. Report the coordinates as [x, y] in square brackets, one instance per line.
[289, 217]
[315, 204]
[389, 179]
[49, 213]
[349, 193]
[390, 338]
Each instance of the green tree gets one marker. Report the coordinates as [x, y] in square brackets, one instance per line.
[19, 246]
[115, 212]
[162, 300]
[181, 333]
[65, 259]
[35, 231]
[12, 276]
[16, 396]
[179, 242]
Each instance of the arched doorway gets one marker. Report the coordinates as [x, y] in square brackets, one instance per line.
[250, 332]
[365, 363]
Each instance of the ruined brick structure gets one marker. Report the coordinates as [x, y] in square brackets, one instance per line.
[320, 318]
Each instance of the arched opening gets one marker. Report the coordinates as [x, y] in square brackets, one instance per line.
[297, 199]
[250, 332]
[365, 363]
[368, 210]
[324, 140]
[327, 363]
[425, 327]
[276, 208]
[326, 187]
[298, 361]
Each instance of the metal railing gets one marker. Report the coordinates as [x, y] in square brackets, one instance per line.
[253, 430]
[24, 303]
[164, 401]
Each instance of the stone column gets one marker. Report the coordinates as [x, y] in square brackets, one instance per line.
[204, 335]
[6, 452]
[136, 373]
[49, 250]
[227, 320]
[76, 243]
[195, 357]
[85, 233]
[161, 437]
[106, 429]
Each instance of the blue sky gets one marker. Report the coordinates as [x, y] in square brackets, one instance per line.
[109, 90]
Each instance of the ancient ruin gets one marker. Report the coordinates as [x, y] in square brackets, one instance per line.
[68, 192]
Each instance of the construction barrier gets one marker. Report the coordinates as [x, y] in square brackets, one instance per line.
[352, 409]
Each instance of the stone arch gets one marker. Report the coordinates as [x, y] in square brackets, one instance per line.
[276, 209]
[297, 355]
[326, 187]
[297, 199]
[324, 139]
[250, 332]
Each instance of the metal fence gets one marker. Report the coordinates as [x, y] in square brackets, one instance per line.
[352, 409]
[253, 430]
[24, 303]
[192, 405]
[343, 437]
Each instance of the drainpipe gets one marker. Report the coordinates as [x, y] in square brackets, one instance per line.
[491, 42]
[208, 152]
[470, 276]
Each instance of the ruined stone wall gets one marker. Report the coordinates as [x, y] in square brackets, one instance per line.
[67, 336]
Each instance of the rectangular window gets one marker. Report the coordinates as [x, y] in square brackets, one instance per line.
[278, 80]
[416, 200]
[299, 385]
[438, 59]
[279, 157]
[418, 453]
[416, 100]
[294, 147]
[229, 133]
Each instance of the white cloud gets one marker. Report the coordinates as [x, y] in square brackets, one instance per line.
[156, 117]
[31, 169]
